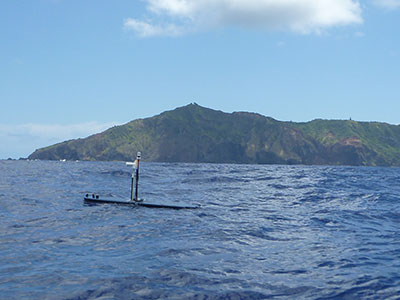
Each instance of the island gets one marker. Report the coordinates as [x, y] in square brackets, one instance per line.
[197, 134]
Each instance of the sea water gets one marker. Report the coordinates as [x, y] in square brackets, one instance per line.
[262, 232]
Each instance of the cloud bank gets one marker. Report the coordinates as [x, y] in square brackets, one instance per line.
[176, 17]
[22, 139]
[54, 130]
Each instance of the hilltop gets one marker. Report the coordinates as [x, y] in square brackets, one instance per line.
[197, 134]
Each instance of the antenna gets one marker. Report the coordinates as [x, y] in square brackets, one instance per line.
[135, 177]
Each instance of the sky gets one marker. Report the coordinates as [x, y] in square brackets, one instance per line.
[72, 68]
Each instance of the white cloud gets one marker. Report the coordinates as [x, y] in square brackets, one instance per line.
[390, 4]
[280, 44]
[145, 29]
[301, 16]
[22, 139]
[359, 34]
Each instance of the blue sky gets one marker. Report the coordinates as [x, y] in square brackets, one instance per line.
[71, 68]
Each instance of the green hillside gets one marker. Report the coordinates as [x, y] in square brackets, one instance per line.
[196, 134]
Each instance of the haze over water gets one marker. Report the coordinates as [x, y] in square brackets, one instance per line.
[263, 231]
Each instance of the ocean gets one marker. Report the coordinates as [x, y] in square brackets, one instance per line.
[262, 232]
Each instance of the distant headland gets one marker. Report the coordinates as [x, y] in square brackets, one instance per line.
[197, 134]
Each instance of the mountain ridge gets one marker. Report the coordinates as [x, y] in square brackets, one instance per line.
[193, 133]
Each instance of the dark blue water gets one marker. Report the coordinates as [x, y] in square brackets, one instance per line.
[263, 232]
